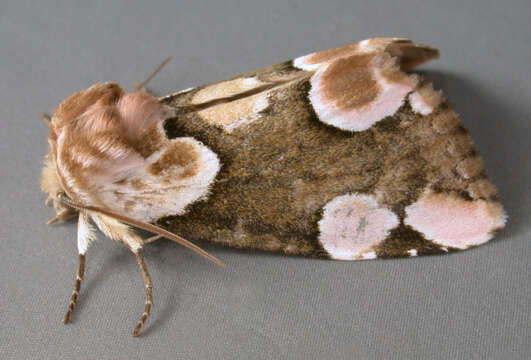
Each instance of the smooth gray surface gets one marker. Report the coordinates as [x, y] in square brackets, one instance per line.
[474, 304]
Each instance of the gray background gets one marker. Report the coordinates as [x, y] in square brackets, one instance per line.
[473, 304]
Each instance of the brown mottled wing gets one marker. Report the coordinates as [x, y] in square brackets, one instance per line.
[338, 154]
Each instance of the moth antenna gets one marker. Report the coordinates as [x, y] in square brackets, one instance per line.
[47, 120]
[145, 82]
[144, 226]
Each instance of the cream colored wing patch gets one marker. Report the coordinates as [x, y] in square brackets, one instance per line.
[353, 93]
[357, 85]
[174, 177]
[234, 114]
[455, 222]
[353, 224]
[225, 89]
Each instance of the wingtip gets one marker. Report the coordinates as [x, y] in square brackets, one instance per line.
[411, 55]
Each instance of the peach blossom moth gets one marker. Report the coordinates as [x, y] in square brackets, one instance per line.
[339, 154]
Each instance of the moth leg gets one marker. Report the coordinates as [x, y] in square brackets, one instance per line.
[149, 296]
[63, 215]
[142, 85]
[85, 235]
[152, 238]
[77, 287]
[116, 230]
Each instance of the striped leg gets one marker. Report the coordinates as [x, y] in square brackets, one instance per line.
[149, 287]
[77, 286]
[120, 232]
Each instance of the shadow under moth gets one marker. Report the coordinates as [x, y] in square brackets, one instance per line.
[339, 154]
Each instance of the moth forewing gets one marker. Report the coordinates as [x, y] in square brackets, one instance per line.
[334, 154]
[338, 154]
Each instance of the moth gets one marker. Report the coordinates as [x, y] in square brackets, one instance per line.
[340, 154]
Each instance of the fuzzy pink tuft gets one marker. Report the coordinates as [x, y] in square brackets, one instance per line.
[352, 224]
[452, 221]
[425, 99]
[389, 93]
[139, 111]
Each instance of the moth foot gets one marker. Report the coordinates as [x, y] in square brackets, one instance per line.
[77, 287]
[142, 320]
[149, 297]
[68, 314]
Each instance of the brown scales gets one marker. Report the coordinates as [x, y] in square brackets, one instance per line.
[347, 74]
[282, 164]
[102, 94]
[279, 172]
[183, 155]
[334, 53]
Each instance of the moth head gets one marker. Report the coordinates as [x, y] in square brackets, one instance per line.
[98, 136]
[109, 156]
[108, 149]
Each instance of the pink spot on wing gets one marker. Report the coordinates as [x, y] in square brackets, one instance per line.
[316, 60]
[352, 224]
[352, 108]
[452, 221]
